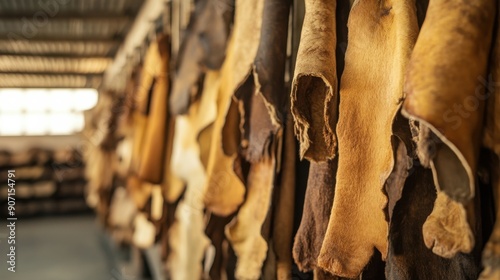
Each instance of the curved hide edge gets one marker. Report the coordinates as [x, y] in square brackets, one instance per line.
[244, 232]
[448, 100]
[261, 100]
[173, 186]
[317, 208]
[284, 207]
[265, 83]
[403, 149]
[202, 49]
[152, 160]
[314, 87]
[379, 47]
[443, 121]
[491, 139]
[256, 124]
[189, 241]
[224, 189]
[408, 257]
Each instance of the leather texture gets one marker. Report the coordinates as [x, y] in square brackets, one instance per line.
[202, 49]
[444, 90]
[153, 146]
[316, 214]
[188, 239]
[314, 96]
[224, 189]
[379, 48]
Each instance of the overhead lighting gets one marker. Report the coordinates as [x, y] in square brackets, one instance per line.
[36, 100]
[12, 100]
[44, 111]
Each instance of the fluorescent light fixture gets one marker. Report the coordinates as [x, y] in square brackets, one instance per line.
[36, 100]
[44, 111]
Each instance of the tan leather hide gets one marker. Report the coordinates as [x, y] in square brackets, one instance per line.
[444, 91]
[224, 190]
[244, 232]
[188, 239]
[314, 88]
[380, 40]
[446, 231]
[144, 83]
[153, 150]
[139, 191]
[247, 232]
[323, 275]
[149, 118]
[173, 187]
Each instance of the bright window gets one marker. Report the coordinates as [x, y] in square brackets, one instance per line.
[44, 111]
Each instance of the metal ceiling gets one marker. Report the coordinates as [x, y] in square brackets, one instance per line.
[61, 43]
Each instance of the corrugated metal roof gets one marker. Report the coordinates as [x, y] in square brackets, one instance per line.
[63, 48]
[49, 81]
[65, 6]
[67, 28]
[94, 65]
[61, 43]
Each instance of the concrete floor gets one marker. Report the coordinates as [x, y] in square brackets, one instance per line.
[57, 248]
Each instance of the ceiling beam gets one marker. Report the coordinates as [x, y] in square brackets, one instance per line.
[12, 16]
[48, 81]
[74, 39]
[88, 85]
[56, 55]
[45, 73]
